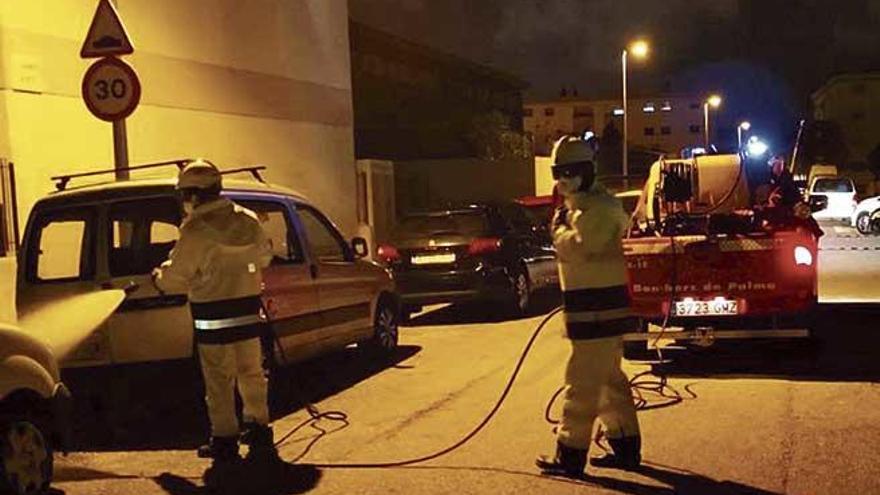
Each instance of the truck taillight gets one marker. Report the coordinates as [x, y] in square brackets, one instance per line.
[484, 245]
[388, 253]
[803, 256]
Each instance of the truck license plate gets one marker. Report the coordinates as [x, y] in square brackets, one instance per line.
[433, 259]
[714, 307]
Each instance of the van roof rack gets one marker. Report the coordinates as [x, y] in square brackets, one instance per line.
[61, 181]
[254, 170]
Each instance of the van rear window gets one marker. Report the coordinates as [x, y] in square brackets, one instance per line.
[143, 231]
[841, 185]
[61, 247]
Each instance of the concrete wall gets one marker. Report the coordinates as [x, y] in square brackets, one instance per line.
[263, 81]
[430, 184]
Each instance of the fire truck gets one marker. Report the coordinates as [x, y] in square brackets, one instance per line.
[707, 260]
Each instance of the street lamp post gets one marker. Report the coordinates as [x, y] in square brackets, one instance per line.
[714, 101]
[640, 50]
[743, 126]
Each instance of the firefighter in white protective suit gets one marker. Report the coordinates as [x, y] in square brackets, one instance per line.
[587, 234]
[218, 262]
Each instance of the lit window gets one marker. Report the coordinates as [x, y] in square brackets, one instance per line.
[618, 112]
[667, 107]
[648, 108]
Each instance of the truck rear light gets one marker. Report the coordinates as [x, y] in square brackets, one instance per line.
[803, 256]
[388, 253]
[484, 245]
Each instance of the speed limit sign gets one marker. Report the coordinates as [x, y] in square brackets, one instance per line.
[111, 89]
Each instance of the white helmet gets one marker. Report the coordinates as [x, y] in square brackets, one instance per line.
[200, 174]
[570, 150]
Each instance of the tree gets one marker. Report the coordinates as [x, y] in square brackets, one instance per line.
[492, 138]
[610, 150]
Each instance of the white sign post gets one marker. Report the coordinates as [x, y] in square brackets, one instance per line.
[110, 87]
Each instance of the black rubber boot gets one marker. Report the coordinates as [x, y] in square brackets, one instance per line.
[261, 442]
[221, 449]
[567, 462]
[626, 454]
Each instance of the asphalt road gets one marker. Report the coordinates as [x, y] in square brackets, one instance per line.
[766, 417]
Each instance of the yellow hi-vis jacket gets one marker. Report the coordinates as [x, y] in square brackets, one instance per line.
[218, 261]
[592, 269]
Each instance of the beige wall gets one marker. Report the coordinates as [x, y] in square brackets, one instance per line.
[263, 81]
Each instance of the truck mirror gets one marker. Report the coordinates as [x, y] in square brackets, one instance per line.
[359, 245]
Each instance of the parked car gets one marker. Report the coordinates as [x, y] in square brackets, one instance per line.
[541, 208]
[485, 252]
[866, 217]
[318, 291]
[32, 418]
[841, 194]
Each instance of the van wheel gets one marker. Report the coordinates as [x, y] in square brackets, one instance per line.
[25, 458]
[385, 329]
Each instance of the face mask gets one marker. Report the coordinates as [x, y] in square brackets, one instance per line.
[569, 186]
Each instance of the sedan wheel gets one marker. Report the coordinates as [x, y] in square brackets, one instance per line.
[521, 292]
[25, 459]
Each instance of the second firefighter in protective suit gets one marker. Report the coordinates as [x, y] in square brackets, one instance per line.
[587, 233]
[218, 261]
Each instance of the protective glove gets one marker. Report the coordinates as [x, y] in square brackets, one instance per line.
[560, 219]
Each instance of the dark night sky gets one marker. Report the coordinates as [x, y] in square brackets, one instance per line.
[764, 56]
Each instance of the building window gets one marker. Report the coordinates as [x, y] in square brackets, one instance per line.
[548, 112]
[649, 131]
[667, 107]
[858, 116]
[648, 108]
[618, 112]
[694, 106]
[527, 112]
[665, 130]
[694, 128]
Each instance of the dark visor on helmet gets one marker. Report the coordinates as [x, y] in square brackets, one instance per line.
[570, 170]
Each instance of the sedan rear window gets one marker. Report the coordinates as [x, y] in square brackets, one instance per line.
[463, 223]
[833, 185]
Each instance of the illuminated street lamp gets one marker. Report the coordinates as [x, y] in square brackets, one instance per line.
[639, 49]
[713, 101]
[743, 126]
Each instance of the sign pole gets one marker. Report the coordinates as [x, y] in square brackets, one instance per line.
[120, 149]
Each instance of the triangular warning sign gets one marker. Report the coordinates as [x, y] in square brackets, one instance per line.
[107, 35]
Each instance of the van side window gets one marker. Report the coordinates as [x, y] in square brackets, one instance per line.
[142, 233]
[273, 217]
[327, 244]
[62, 247]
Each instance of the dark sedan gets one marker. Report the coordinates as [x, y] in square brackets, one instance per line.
[487, 252]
